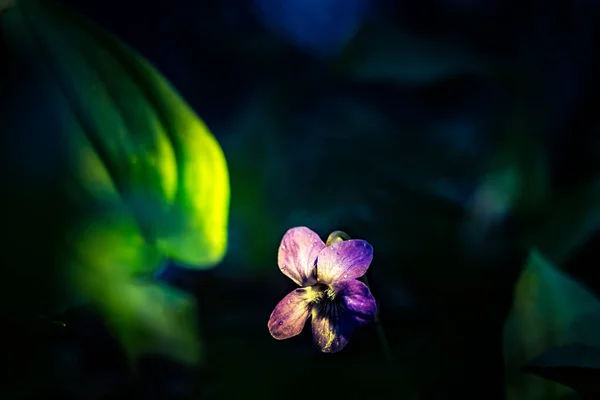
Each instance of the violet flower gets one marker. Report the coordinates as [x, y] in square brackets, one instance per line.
[329, 292]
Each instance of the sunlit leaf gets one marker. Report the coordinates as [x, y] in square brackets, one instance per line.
[144, 179]
[548, 307]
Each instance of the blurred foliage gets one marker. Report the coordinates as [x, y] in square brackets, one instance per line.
[5, 4]
[142, 180]
[567, 221]
[453, 136]
[549, 310]
[386, 54]
[576, 366]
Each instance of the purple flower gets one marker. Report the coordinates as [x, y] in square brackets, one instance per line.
[329, 292]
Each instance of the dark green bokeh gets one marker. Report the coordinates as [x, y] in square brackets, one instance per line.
[453, 147]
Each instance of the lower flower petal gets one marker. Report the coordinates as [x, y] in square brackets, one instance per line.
[357, 299]
[290, 315]
[331, 331]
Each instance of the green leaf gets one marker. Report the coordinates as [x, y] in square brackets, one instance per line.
[517, 179]
[568, 219]
[144, 180]
[385, 53]
[160, 157]
[576, 366]
[548, 309]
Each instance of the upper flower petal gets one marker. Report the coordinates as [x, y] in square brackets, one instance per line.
[331, 330]
[290, 315]
[360, 304]
[344, 260]
[298, 254]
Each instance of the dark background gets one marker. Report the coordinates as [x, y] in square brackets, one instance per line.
[393, 161]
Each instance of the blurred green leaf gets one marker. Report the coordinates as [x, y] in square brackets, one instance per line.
[385, 53]
[256, 158]
[576, 366]
[5, 4]
[145, 179]
[547, 308]
[518, 182]
[567, 220]
[517, 177]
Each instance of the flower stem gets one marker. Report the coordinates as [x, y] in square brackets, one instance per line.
[385, 345]
[340, 236]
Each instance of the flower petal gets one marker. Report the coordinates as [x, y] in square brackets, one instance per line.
[298, 254]
[331, 331]
[290, 315]
[344, 260]
[358, 300]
